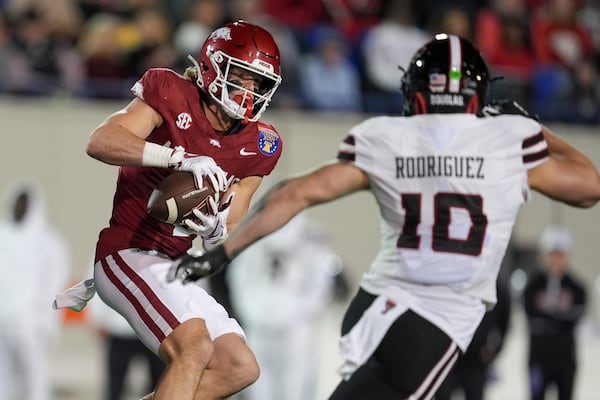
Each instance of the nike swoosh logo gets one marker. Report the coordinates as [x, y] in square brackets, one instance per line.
[243, 152]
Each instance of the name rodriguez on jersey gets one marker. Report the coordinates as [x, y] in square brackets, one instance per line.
[470, 167]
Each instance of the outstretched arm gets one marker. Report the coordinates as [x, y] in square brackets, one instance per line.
[272, 211]
[290, 197]
[568, 176]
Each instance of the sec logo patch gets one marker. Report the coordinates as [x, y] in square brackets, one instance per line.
[184, 121]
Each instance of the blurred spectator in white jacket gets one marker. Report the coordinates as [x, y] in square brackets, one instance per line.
[279, 288]
[34, 265]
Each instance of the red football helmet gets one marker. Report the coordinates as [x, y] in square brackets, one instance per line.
[243, 45]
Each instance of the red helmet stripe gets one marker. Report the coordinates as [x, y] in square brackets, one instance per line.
[420, 104]
[473, 105]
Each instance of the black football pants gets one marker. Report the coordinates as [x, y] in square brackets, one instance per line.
[407, 361]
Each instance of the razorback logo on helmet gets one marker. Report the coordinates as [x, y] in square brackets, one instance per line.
[221, 33]
[268, 141]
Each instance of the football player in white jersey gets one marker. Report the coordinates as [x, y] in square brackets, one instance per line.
[449, 177]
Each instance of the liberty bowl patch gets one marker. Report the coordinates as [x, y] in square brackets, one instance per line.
[268, 141]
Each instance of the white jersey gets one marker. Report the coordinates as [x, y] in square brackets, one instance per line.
[449, 187]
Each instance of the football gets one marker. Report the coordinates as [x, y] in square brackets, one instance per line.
[176, 196]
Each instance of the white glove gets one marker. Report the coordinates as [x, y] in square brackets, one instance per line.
[212, 227]
[200, 166]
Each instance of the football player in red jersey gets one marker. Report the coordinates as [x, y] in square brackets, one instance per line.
[206, 121]
[449, 177]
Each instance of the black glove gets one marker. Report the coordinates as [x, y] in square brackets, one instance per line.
[507, 106]
[189, 268]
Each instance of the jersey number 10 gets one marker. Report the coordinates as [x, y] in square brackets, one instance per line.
[441, 240]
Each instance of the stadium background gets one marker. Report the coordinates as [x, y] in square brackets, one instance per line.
[58, 57]
[46, 138]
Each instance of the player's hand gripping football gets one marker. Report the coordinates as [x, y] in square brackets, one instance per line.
[212, 226]
[188, 268]
[200, 166]
[507, 106]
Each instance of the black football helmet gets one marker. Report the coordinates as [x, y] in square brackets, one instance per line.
[446, 75]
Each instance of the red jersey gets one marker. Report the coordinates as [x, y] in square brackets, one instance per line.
[252, 151]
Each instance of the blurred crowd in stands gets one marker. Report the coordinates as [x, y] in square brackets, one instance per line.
[337, 55]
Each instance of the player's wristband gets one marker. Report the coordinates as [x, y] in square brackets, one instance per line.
[156, 155]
